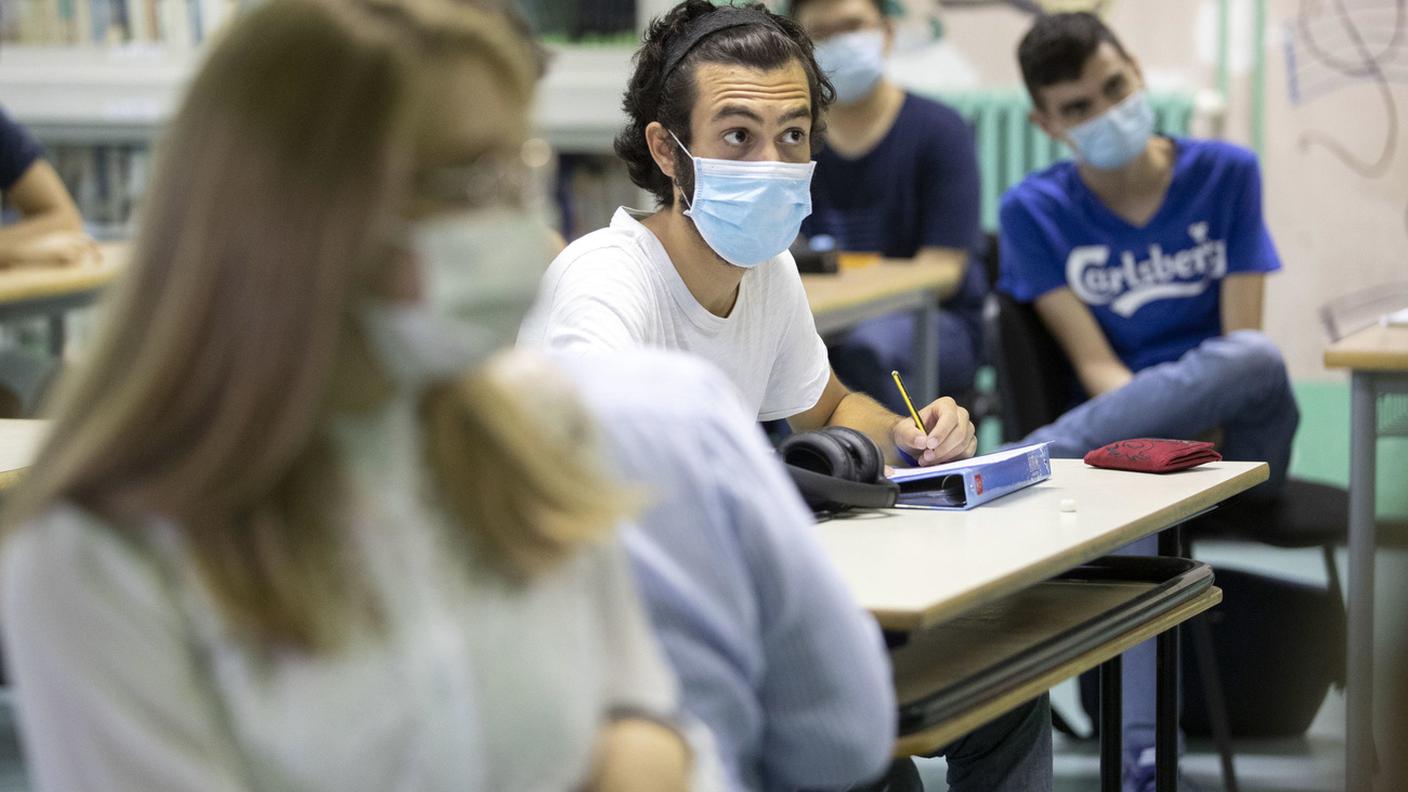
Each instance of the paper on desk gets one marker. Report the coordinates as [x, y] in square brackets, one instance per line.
[1397, 319]
[915, 473]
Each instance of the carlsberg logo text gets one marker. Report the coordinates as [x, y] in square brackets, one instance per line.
[1128, 284]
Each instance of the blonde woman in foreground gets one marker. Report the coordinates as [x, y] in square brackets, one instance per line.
[283, 538]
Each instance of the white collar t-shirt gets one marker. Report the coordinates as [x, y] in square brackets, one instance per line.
[616, 288]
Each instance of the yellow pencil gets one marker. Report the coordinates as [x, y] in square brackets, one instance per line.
[904, 394]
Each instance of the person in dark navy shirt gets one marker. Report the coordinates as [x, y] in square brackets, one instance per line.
[898, 176]
[1145, 258]
[18, 151]
[49, 229]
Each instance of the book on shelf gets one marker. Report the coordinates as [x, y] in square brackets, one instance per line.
[172, 23]
[106, 182]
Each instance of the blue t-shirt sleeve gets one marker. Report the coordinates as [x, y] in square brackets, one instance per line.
[1249, 245]
[18, 151]
[1029, 265]
[949, 187]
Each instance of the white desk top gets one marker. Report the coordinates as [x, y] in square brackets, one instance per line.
[1376, 348]
[912, 569]
[853, 288]
[19, 443]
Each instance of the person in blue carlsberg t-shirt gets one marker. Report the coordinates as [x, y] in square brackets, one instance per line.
[897, 176]
[1145, 259]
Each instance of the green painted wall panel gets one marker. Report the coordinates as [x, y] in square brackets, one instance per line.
[1321, 451]
[1009, 146]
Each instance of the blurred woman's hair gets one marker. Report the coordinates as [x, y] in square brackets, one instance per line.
[233, 335]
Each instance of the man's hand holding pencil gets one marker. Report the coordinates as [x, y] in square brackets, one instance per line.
[941, 432]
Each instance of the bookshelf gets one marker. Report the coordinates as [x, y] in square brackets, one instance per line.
[109, 95]
[172, 23]
[98, 110]
[124, 94]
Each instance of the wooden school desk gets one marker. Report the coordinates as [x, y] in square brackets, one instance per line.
[845, 299]
[1377, 358]
[19, 443]
[53, 291]
[970, 588]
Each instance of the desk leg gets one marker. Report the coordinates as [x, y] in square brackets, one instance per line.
[926, 353]
[1166, 714]
[1167, 698]
[1171, 542]
[1359, 692]
[1111, 725]
[57, 335]
[1216, 701]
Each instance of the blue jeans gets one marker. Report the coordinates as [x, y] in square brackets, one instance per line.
[1010, 754]
[864, 357]
[1237, 382]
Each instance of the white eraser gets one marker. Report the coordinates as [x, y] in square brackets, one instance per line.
[1068, 505]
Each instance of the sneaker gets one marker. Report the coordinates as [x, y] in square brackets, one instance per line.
[1140, 776]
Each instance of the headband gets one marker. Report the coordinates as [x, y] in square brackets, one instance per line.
[707, 25]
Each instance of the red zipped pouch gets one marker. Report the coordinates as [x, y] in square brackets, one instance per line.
[1152, 455]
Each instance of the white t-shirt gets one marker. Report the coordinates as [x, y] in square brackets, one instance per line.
[617, 289]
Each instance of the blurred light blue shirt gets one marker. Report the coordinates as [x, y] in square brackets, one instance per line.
[773, 653]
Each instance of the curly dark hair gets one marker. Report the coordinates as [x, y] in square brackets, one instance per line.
[668, 98]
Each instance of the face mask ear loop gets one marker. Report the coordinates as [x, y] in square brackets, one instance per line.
[688, 204]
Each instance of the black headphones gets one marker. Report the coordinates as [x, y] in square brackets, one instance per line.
[837, 468]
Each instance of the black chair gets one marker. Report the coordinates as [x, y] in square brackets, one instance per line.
[1036, 384]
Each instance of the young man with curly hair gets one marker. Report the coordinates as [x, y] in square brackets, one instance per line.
[724, 107]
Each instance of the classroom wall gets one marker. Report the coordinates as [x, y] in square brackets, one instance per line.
[1342, 226]
[1339, 229]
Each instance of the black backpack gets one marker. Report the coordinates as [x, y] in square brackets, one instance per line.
[1278, 644]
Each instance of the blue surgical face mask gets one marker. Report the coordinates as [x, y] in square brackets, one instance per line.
[749, 212]
[1114, 138]
[854, 62]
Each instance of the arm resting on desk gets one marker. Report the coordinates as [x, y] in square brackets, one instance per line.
[46, 211]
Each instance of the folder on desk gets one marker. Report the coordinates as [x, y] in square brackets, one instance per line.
[972, 482]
